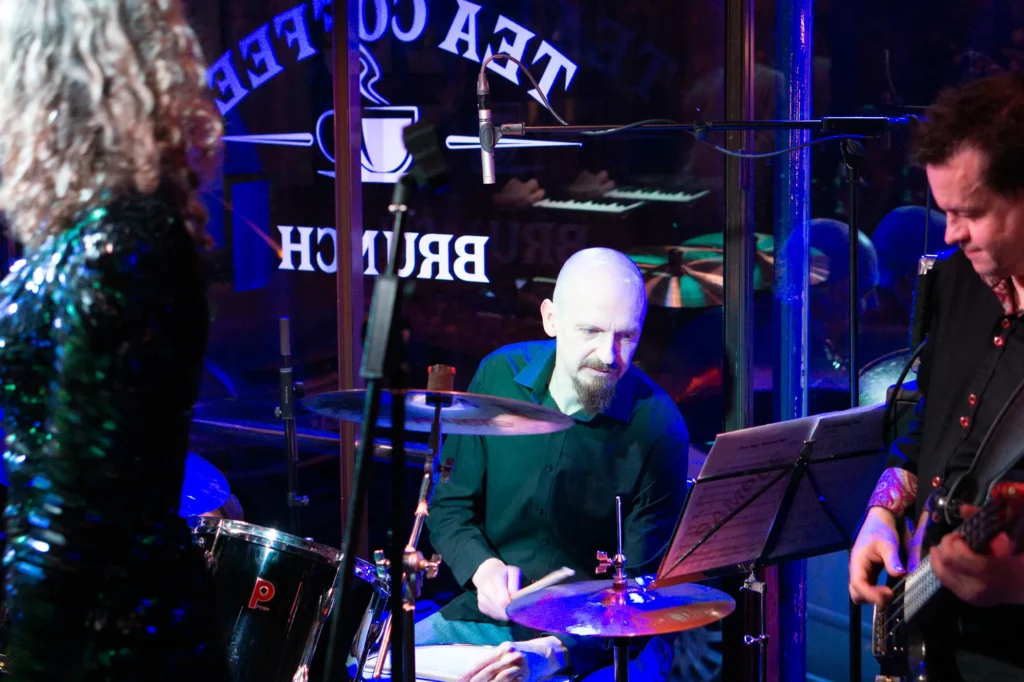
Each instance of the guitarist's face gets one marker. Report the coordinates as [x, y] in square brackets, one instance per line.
[986, 225]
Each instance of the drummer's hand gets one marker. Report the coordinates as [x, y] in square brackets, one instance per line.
[528, 661]
[495, 583]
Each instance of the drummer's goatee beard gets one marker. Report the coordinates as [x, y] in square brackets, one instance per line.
[594, 395]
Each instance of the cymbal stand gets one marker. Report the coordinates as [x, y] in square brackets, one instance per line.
[290, 391]
[440, 378]
[618, 562]
[752, 584]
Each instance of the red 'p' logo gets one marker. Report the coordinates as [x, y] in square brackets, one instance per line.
[262, 592]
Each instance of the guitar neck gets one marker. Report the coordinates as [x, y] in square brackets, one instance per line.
[920, 586]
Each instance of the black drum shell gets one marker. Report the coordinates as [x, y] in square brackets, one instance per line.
[274, 595]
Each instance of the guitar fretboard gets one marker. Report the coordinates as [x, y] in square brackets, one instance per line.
[921, 586]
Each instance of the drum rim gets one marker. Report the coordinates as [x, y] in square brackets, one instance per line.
[269, 537]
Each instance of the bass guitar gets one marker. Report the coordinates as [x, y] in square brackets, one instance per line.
[899, 645]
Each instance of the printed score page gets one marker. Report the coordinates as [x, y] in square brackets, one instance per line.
[760, 447]
[849, 431]
[740, 540]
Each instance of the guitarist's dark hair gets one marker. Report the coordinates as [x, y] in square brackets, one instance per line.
[987, 114]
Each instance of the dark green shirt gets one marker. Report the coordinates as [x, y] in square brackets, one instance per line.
[543, 502]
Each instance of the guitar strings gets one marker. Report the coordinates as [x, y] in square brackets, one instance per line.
[984, 514]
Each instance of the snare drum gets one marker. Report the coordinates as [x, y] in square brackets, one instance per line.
[274, 594]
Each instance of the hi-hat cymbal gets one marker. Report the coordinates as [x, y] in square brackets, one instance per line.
[599, 609]
[464, 413]
[691, 275]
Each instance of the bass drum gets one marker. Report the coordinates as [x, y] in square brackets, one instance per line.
[275, 592]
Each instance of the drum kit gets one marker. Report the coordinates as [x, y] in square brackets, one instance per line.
[276, 591]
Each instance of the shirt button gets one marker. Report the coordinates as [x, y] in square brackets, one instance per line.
[549, 468]
[1005, 323]
[972, 400]
[998, 342]
[544, 541]
[965, 422]
[936, 482]
[540, 510]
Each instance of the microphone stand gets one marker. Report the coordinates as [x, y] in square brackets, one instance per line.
[286, 413]
[853, 156]
[381, 345]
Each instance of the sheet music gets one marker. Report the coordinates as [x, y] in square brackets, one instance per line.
[772, 445]
[725, 485]
[849, 431]
[736, 542]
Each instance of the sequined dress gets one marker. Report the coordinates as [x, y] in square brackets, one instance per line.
[102, 335]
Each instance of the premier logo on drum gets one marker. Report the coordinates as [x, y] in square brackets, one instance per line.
[261, 593]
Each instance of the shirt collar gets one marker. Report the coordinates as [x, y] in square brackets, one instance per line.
[1006, 293]
[536, 376]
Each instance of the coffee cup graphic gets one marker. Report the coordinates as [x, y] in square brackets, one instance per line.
[383, 156]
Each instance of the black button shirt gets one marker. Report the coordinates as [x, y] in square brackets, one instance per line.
[972, 363]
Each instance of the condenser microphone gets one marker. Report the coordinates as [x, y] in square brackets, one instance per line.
[488, 141]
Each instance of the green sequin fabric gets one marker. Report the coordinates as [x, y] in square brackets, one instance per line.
[102, 334]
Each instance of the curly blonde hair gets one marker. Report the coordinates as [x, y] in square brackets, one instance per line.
[98, 97]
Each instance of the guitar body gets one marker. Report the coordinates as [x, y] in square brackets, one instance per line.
[912, 636]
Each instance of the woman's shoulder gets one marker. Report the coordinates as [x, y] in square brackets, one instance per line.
[130, 226]
[130, 244]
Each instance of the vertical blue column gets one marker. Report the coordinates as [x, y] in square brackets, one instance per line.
[252, 256]
[793, 31]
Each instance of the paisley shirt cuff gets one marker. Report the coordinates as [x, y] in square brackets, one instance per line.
[896, 491]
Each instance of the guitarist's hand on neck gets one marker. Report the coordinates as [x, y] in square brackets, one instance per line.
[877, 546]
[981, 579]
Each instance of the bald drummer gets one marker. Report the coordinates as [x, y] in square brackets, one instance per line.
[517, 508]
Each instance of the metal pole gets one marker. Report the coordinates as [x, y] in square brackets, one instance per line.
[738, 240]
[793, 35]
[348, 216]
[853, 156]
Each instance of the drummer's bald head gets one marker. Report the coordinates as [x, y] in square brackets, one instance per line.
[596, 315]
[602, 268]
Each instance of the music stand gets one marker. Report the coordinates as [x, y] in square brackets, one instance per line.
[777, 493]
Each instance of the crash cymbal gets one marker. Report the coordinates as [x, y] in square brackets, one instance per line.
[691, 275]
[204, 489]
[464, 413]
[598, 608]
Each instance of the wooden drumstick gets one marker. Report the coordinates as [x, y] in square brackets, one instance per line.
[547, 581]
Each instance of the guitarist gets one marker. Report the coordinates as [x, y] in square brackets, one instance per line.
[972, 147]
